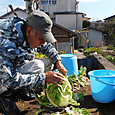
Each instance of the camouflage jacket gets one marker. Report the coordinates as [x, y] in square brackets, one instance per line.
[14, 50]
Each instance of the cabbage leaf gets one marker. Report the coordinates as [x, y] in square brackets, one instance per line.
[60, 96]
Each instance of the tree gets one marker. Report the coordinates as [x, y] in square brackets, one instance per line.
[86, 24]
[109, 29]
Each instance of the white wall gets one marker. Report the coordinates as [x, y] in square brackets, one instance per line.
[66, 20]
[71, 21]
[61, 6]
[94, 37]
[65, 5]
[79, 20]
[52, 9]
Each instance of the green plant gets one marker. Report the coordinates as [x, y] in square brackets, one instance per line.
[59, 96]
[111, 47]
[110, 58]
[88, 51]
[63, 96]
[38, 56]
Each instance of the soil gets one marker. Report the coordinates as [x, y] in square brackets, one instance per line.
[96, 108]
[88, 103]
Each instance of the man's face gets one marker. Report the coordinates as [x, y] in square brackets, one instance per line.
[34, 38]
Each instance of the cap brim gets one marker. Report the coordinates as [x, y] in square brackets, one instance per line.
[48, 37]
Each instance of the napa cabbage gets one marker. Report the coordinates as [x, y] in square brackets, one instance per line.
[60, 96]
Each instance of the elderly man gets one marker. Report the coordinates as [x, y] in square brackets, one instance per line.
[19, 71]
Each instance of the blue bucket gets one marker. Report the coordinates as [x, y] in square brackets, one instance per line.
[102, 85]
[69, 61]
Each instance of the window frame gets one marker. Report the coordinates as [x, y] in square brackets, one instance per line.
[48, 2]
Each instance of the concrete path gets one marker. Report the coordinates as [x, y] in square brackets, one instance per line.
[79, 55]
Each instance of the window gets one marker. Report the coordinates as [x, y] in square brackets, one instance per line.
[50, 2]
[43, 2]
[53, 1]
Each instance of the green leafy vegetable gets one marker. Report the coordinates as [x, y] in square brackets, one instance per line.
[63, 96]
[72, 79]
[80, 96]
[82, 70]
[60, 96]
[76, 111]
[73, 111]
[81, 79]
[43, 100]
[82, 111]
[39, 111]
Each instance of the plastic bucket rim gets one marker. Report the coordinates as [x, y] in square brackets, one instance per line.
[71, 55]
[89, 73]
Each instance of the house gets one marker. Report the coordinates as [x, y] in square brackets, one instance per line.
[65, 38]
[72, 20]
[52, 6]
[110, 19]
[63, 12]
[89, 37]
[19, 11]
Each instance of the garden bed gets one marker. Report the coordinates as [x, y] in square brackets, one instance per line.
[98, 62]
[88, 103]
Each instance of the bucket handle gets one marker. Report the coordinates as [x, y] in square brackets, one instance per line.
[102, 76]
[104, 82]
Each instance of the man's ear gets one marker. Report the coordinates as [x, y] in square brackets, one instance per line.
[28, 31]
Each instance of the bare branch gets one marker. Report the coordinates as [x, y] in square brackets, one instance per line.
[11, 7]
[30, 6]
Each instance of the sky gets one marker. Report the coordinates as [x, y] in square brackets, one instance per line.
[97, 9]
[94, 9]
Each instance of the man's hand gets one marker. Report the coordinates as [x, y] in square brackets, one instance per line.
[54, 77]
[61, 68]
